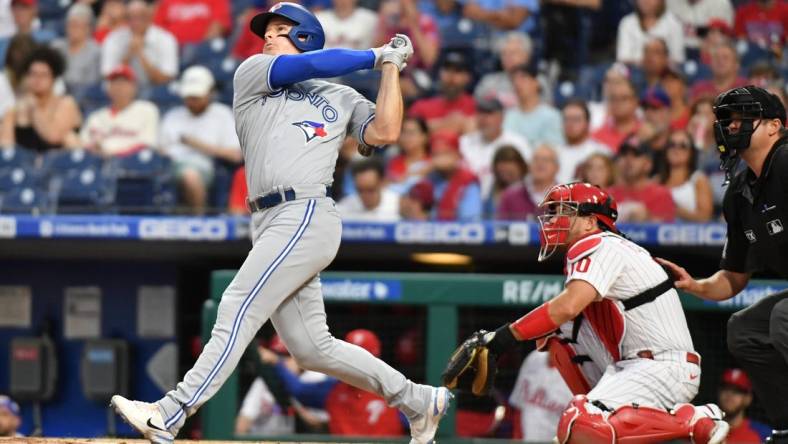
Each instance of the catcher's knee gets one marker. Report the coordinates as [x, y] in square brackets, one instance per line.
[582, 422]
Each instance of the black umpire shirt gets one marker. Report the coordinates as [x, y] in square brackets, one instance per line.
[756, 210]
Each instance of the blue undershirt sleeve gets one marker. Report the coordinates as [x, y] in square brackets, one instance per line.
[311, 394]
[294, 68]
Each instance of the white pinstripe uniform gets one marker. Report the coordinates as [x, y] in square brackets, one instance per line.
[619, 270]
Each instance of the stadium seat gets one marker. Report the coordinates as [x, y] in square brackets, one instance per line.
[165, 97]
[82, 191]
[62, 162]
[17, 157]
[144, 183]
[750, 53]
[13, 178]
[26, 200]
[565, 91]
[93, 98]
[694, 71]
[590, 78]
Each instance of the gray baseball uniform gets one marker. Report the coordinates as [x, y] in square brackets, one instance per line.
[290, 138]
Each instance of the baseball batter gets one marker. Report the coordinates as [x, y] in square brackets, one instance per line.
[618, 312]
[291, 127]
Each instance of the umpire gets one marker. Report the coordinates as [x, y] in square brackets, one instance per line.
[750, 126]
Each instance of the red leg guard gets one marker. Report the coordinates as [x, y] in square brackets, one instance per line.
[626, 425]
[562, 355]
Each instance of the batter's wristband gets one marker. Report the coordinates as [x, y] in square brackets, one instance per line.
[535, 324]
[502, 341]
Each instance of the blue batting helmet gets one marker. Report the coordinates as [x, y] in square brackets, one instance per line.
[307, 33]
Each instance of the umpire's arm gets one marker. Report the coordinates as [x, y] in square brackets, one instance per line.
[387, 123]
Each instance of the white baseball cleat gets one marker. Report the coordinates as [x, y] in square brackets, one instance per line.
[422, 430]
[144, 417]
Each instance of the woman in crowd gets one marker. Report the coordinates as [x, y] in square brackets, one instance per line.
[650, 19]
[413, 161]
[509, 168]
[598, 169]
[689, 186]
[81, 51]
[701, 128]
[42, 119]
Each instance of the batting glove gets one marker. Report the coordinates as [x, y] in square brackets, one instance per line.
[397, 51]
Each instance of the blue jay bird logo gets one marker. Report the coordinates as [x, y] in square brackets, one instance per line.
[311, 129]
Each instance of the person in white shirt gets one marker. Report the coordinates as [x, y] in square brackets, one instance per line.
[348, 26]
[151, 51]
[125, 126]
[7, 102]
[195, 134]
[650, 19]
[372, 201]
[541, 395]
[478, 147]
[695, 16]
[579, 145]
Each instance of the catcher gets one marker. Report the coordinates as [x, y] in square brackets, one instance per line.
[617, 333]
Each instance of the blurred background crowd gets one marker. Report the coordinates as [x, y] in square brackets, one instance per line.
[504, 99]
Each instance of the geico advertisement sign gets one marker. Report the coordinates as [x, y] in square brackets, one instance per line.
[183, 229]
[438, 232]
[682, 234]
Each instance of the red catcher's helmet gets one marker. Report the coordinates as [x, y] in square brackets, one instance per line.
[366, 340]
[563, 202]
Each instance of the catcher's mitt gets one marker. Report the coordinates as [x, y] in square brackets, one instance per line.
[472, 358]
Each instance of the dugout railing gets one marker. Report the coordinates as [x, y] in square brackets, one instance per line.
[442, 295]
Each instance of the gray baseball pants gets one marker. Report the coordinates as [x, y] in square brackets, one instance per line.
[292, 243]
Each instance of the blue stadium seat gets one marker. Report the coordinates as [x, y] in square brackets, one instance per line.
[83, 191]
[694, 71]
[589, 83]
[165, 97]
[144, 183]
[26, 200]
[750, 53]
[565, 91]
[14, 178]
[17, 157]
[93, 98]
[62, 162]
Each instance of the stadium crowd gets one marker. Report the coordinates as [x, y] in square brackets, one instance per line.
[504, 99]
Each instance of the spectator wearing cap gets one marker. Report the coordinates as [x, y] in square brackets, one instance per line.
[519, 201]
[655, 129]
[152, 52]
[651, 18]
[456, 191]
[533, 119]
[356, 412]
[696, 15]
[197, 134]
[413, 160]
[418, 202]
[733, 397]
[373, 201]
[44, 120]
[347, 25]
[724, 73]
[622, 119]
[639, 198]
[718, 33]
[479, 147]
[80, 49]
[452, 109]
[125, 126]
[675, 87]
[513, 49]
[763, 22]
[579, 144]
[10, 419]
[193, 21]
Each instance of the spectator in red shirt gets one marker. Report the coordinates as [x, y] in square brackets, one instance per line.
[192, 21]
[639, 198]
[452, 109]
[724, 73]
[413, 160]
[735, 395]
[763, 22]
[248, 43]
[355, 412]
[622, 119]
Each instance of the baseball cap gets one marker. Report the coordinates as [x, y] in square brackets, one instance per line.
[736, 378]
[196, 81]
[423, 193]
[489, 105]
[9, 404]
[123, 71]
[365, 339]
[655, 97]
[441, 141]
[721, 25]
[455, 60]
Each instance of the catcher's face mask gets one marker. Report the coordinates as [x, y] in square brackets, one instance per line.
[555, 222]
